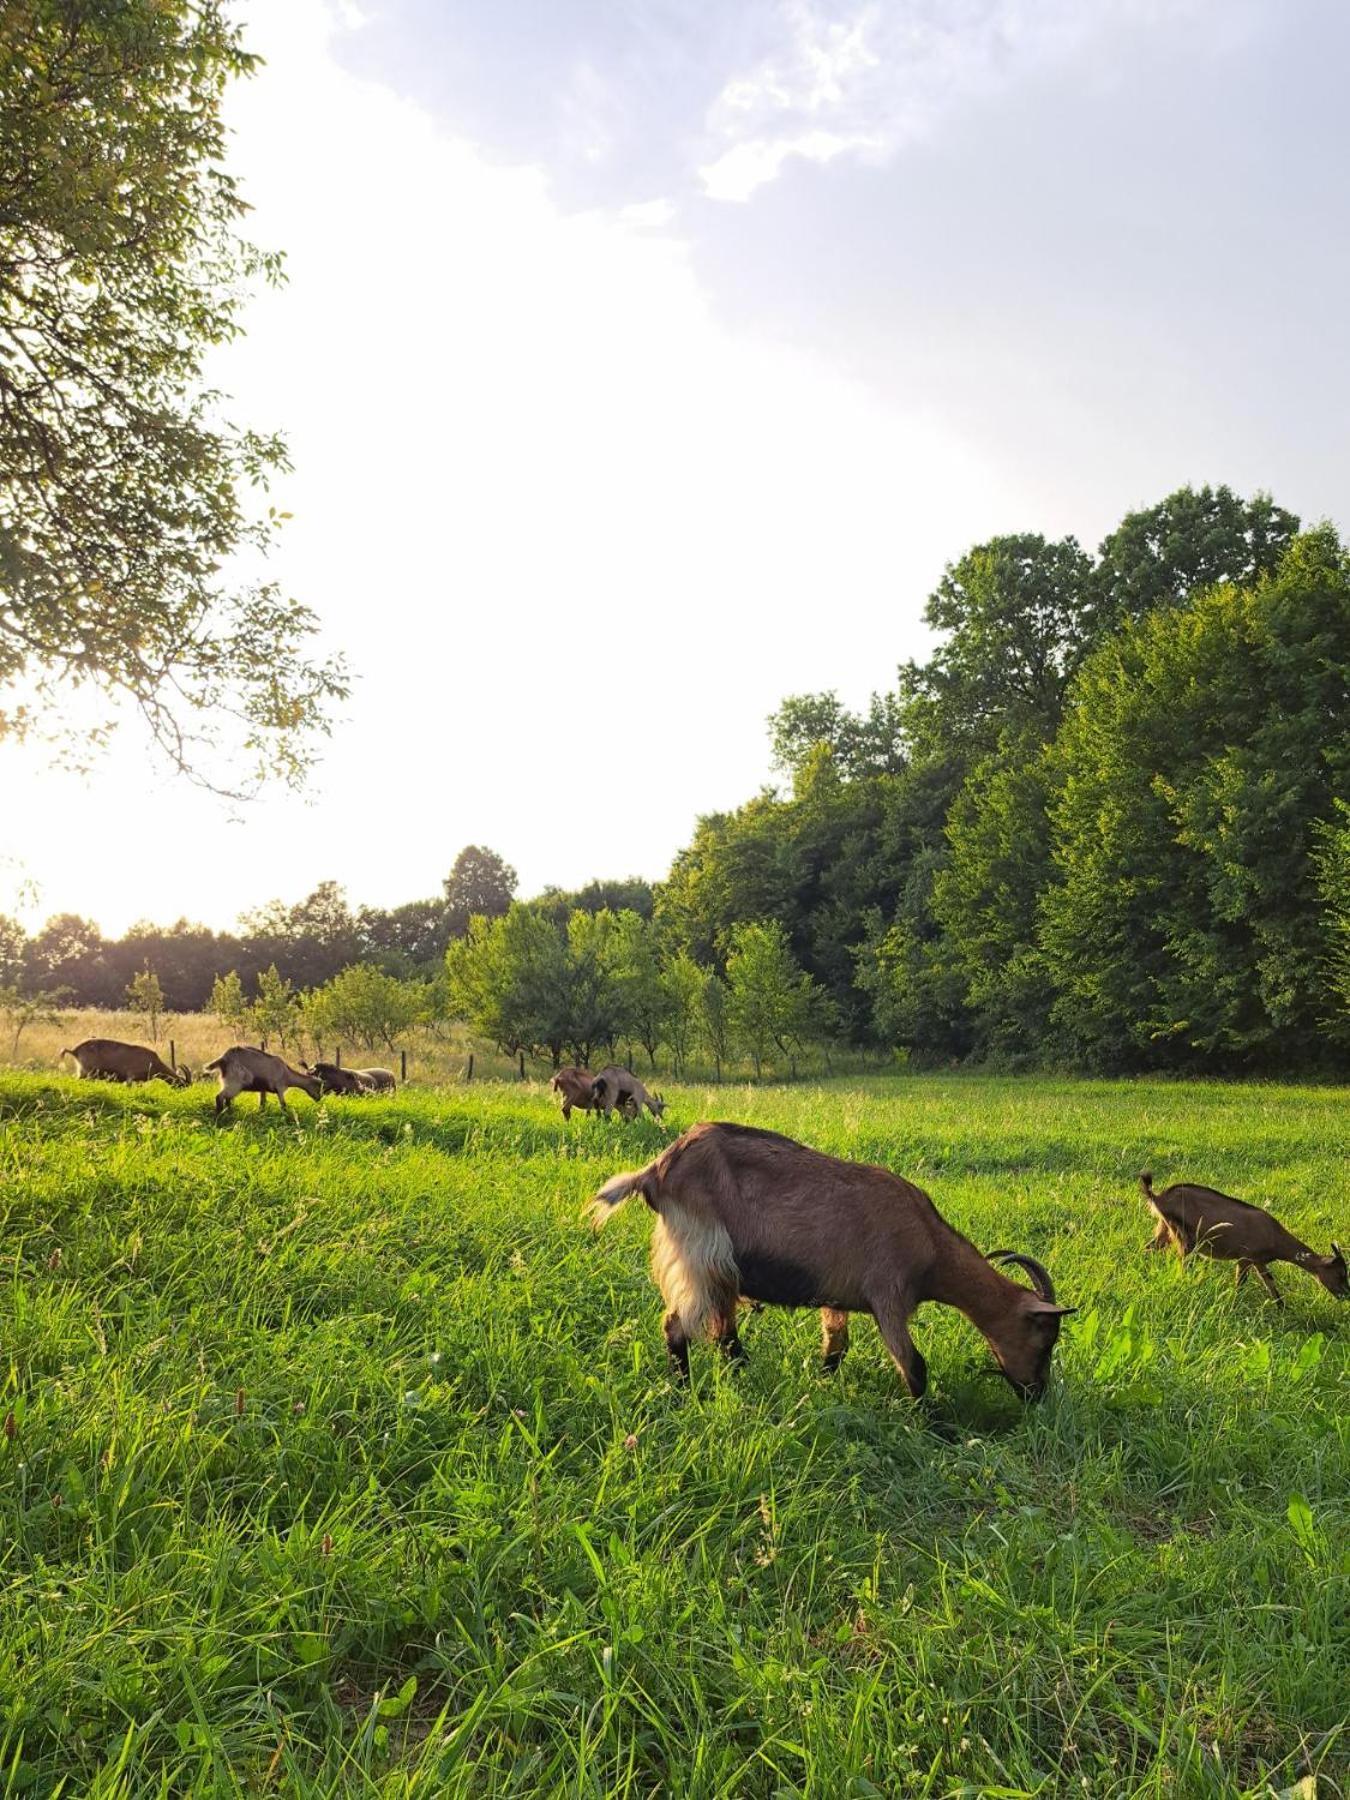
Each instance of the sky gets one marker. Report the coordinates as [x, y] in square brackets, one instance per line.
[644, 363]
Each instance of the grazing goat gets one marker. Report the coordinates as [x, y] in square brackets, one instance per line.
[616, 1087]
[743, 1212]
[246, 1070]
[105, 1059]
[379, 1081]
[334, 1079]
[577, 1087]
[1215, 1224]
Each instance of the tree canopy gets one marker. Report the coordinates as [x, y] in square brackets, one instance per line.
[128, 498]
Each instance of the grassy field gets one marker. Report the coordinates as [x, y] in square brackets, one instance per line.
[340, 1459]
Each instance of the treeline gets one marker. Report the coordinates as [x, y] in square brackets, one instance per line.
[1105, 825]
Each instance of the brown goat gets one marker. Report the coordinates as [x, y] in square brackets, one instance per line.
[1201, 1218]
[379, 1081]
[616, 1087]
[743, 1212]
[577, 1087]
[243, 1069]
[334, 1079]
[105, 1059]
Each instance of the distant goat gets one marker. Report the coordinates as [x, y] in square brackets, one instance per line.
[246, 1070]
[743, 1212]
[577, 1087]
[105, 1059]
[1203, 1219]
[616, 1087]
[379, 1081]
[334, 1079]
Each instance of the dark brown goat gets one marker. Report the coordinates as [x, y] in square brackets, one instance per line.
[380, 1081]
[743, 1212]
[243, 1069]
[577, 1087]
[105, 1059]
[1201, 1218]
[334, 1079]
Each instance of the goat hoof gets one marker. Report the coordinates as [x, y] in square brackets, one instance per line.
[829, 1365]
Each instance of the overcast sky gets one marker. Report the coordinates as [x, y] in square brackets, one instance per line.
[644, 363]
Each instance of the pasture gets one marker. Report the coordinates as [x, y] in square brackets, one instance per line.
[340, 1459]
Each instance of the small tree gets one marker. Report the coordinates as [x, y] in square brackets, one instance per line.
[643, 998]
[714, 1017]
[228, 1003]
[682, 982]
[22, 1010]
[274, 1010]
[145, 995]
[365, 1005]
[773, 1003]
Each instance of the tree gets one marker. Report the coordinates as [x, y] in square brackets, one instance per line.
[682, 981]
[1332, 862]
[313, 939]
[861, 744]
[21, 1010]
[714, 1015]
[144, 994]
[642, 999]
[1197, 773]
[70, 952]
[773, 1004]
[274, 1010]
[365, 1006]
[13, 944]
[480, 885]
[1019, 614]
[508, 978]
[228, 1003]
[1193, 539]
[121, 483]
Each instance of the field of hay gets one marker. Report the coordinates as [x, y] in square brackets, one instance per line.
[339, 1458]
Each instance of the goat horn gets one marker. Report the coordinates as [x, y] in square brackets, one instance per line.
[1040, 1275]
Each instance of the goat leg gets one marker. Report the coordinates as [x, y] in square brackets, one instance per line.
[1268, 1283]
[893, 1324]
[833, 1338]
[677, 1346]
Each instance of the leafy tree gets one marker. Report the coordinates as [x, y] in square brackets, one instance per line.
[642, 997]
[229, 1004]
[714, 1017]
[13, 944]
[406, 939]
[1332, 863]
[365, 1006]
[121, 484]
[774, 1004]
[69, 952]
[1202, 760]
[144, 994]
[274, 1010]
[313, 939]
[508, 978]
[987, 895]
[21, 1010]
[631, 894]
[1193, 539]
[1019, 614]
[682, 981]
[860, 744]
[480, 885]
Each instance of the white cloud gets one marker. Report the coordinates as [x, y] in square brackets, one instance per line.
[867, 79]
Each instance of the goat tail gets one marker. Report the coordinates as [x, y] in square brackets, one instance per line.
[1146, 1182]
[616, 1190]
[219, 1063]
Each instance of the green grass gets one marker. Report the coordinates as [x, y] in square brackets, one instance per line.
[344, 1461]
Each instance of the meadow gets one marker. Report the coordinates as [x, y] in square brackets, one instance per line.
[339, 1458]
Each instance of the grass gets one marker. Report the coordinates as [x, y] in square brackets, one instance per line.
[342, 1460]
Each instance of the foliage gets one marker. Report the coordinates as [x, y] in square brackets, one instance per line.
[121, 483]
[145, 995]
[21, 1010]
[1165, 555]
[642, 994]
[1331, 859]
[229, 1004]
[329, 1411]
[772, 1003]
[479, 885]
[363, 1005]
[274, 1011]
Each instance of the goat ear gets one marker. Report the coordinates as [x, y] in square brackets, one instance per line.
[1048, 1308]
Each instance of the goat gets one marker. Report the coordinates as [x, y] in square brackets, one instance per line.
[743, 1212]
[577, 1087]
[380, 1081]
[334, 1079]
[243, 1069]
[105, 1059]
[616, 1087]
[1201, 1218]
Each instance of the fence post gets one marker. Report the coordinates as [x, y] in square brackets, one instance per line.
[469, 1075]
[522, 1065]
[403, 1065]
[338, 1056]
[173, 1056]
[264, 1046]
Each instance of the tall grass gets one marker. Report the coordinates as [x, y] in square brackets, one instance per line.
[339, 1459]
